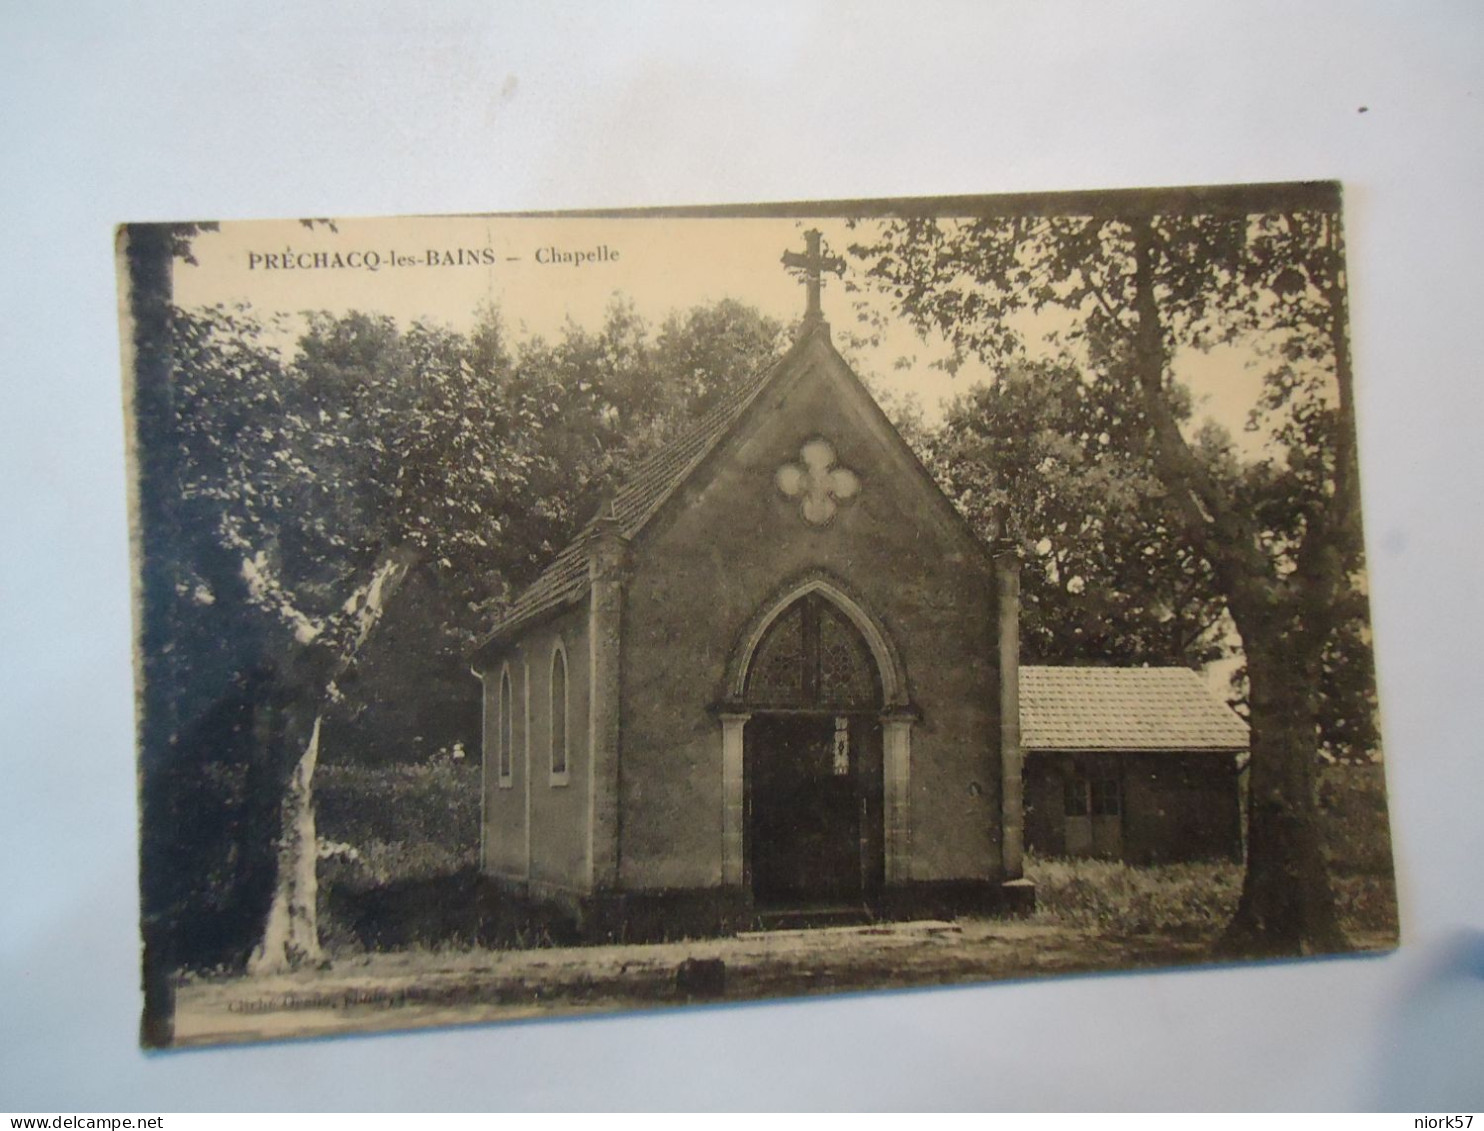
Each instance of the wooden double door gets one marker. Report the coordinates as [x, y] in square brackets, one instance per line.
[1093, 811]
[814, 834]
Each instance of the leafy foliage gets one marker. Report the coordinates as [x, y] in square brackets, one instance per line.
[306, 469]
[1058, 465]
[1280, 535]
[1131, 291]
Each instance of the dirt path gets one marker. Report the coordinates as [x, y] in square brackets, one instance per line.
[414, 989]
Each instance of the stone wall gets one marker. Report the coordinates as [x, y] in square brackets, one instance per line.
[550, 849]
[731, 541]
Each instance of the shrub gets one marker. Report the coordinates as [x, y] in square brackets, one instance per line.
[1125, 899]
[1367, 904]
[1199, 899]
[431, 809]
[1352, 806]
[398, 853]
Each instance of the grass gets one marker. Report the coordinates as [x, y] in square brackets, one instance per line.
[1186, 900]
[416, 937]
[1352, 815]
[399, 849]
[432, 804]
[1122, 899]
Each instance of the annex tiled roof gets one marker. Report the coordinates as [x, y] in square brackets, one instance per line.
[650, 484]
[1074, 708]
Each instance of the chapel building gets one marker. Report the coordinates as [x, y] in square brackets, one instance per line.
[776, 676]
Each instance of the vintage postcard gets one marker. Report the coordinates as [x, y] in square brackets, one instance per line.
[557, 613]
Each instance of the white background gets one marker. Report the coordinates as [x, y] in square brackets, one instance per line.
[112, 112]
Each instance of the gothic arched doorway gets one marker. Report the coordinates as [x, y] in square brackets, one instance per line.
[814, 830]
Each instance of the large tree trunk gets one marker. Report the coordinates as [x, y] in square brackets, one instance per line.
[1287, 906]
[291, 933]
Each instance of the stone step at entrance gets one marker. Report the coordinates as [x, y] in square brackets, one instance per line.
[822, 915]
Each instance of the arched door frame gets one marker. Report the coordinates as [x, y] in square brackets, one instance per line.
[894, 692]
[897, 717]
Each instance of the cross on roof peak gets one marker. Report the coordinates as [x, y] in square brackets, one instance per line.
[810, 262]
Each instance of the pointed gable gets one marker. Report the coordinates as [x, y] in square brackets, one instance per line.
[661, 475]
[794, 503]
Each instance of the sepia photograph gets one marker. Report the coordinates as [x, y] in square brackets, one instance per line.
[546, 614]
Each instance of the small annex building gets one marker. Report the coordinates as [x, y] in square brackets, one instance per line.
[1135, 764]
[775, 674]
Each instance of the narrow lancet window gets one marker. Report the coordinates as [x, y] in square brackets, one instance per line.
[558, 714]
[507, 727]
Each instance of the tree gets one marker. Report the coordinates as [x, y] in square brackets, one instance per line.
[595, 401]
[1138, 280]
[318, 477]
[1055, 460]
[281, 463]
[1049, 455]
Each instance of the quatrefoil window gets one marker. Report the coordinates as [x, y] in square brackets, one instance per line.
[818, 482]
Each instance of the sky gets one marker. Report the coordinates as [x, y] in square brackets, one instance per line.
[534, 270]
[544, 271]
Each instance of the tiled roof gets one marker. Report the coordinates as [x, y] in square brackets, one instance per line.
[650, 484]
[1071, 708]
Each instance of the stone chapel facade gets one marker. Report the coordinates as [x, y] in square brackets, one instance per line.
[776, 675]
